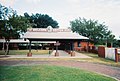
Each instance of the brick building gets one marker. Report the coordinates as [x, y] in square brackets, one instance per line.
[65, 38]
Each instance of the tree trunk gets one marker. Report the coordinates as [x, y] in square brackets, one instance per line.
[3, 48]
[7, 47]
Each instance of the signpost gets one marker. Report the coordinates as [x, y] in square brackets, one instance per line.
[56, 44]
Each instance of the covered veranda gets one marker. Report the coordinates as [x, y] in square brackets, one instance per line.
[63, 37]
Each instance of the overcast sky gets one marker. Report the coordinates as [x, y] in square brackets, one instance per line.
[64, 11]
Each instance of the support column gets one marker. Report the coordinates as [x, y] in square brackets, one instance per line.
[72, 49]
[69, 48]
[87, 46]
[57, 53]
[29, 53]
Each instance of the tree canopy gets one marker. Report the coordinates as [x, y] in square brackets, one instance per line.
[6, 13]
[41, 20]
[98, 32]
[11, 25]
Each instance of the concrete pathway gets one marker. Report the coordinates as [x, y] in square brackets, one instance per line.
[62, 54]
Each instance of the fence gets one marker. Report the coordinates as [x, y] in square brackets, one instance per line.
[104, 52]
[110, 53]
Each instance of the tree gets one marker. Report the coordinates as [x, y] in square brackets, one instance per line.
[92, 29]
[6, 13]
[41, 20]
[116, 43]
[12, 26]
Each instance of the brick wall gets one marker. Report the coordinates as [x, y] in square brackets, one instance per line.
[93, 49]
[101, 51]
[83, 46]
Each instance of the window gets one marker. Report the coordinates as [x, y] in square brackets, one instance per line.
[79, 45]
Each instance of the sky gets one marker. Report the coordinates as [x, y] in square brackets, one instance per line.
[64, 11]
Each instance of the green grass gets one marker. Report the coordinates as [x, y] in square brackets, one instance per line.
[48, 73]
[24, 52]
[96, 59]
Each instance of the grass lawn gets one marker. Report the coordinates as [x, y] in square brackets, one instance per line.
[100, 60]
[48, 73]
[24, 52]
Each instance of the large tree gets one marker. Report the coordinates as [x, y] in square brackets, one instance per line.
[98, 32]
[6, 13]
[11, 25]
[41, 20]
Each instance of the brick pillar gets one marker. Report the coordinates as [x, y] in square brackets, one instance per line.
[73, 53]
[29, 54]
[101, 51]
[75, 45]
[116, 56]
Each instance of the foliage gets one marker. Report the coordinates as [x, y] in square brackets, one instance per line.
[116, 43]
[6, 13]
[48, 73]
[93, 30]
[19, 24]
[11, 25]
[41, 20]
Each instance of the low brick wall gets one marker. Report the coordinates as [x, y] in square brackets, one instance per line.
[101, 51]
[117, 56]
[79, 49]
[93, 49]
